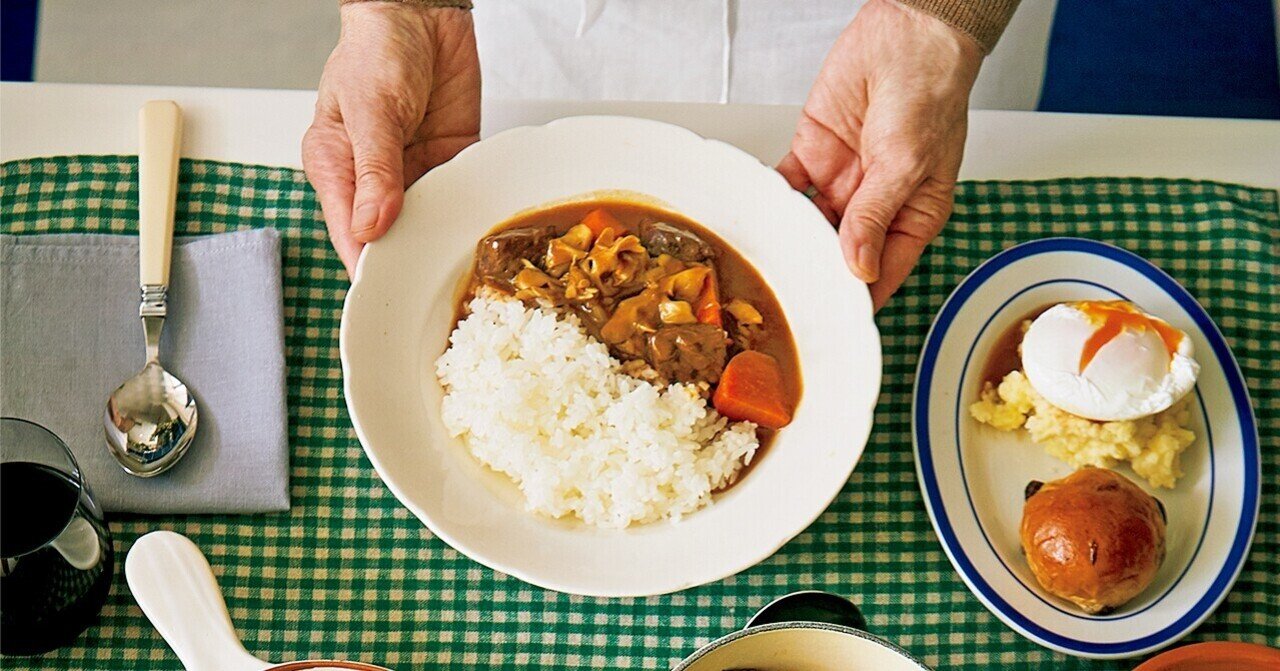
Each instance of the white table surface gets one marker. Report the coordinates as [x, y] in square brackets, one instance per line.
[266, 127]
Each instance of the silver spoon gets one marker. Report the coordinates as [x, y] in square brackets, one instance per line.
[151, 418]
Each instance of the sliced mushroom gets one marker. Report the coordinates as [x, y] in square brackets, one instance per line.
[744, 312]
[687, 284]
[533, 284]
[578, 286]
[614, 262]
[676, 312]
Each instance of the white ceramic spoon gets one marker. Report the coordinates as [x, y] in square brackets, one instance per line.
[173, 583]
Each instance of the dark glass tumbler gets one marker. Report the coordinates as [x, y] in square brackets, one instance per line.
[56, 558]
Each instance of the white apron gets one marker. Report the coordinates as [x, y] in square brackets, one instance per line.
[740, 51]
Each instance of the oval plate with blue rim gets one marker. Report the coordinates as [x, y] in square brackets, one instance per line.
[972, 476]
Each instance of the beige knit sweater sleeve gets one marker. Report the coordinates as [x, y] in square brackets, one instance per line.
[983, 20]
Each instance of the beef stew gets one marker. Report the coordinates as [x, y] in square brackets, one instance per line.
[669, 298]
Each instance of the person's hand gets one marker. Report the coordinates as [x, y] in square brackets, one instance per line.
[400, 95]
[881, 137]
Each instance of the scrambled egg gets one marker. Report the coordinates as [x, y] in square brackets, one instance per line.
[1151, 445]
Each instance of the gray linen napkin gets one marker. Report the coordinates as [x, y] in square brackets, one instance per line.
[70, 333]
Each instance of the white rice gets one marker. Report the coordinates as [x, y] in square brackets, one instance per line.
[534, 397]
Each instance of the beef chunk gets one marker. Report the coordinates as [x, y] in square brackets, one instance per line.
[736, 334]
[499, 257]
[660, 238]
[688, 352]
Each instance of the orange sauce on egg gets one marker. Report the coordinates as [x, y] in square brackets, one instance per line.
[1114, 317]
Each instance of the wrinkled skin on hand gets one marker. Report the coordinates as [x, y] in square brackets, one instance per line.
[881, 137]
[400, 94]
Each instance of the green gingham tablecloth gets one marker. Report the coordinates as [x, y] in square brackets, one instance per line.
[349, 573]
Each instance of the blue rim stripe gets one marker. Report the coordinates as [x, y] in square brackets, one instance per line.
[964, 479]
[1239, 394]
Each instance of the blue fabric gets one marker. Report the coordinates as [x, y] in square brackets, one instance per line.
[18, 39]
[1212, 58]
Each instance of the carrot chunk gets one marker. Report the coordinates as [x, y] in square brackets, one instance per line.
[707, 308]
[750, 389]
[599, 219]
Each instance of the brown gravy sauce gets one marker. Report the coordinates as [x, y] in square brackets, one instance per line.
[1003, 357]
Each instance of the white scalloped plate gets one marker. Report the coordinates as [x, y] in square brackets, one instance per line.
[973, 476]
[399, 312]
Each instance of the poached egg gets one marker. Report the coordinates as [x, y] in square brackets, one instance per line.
[1107, 360]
